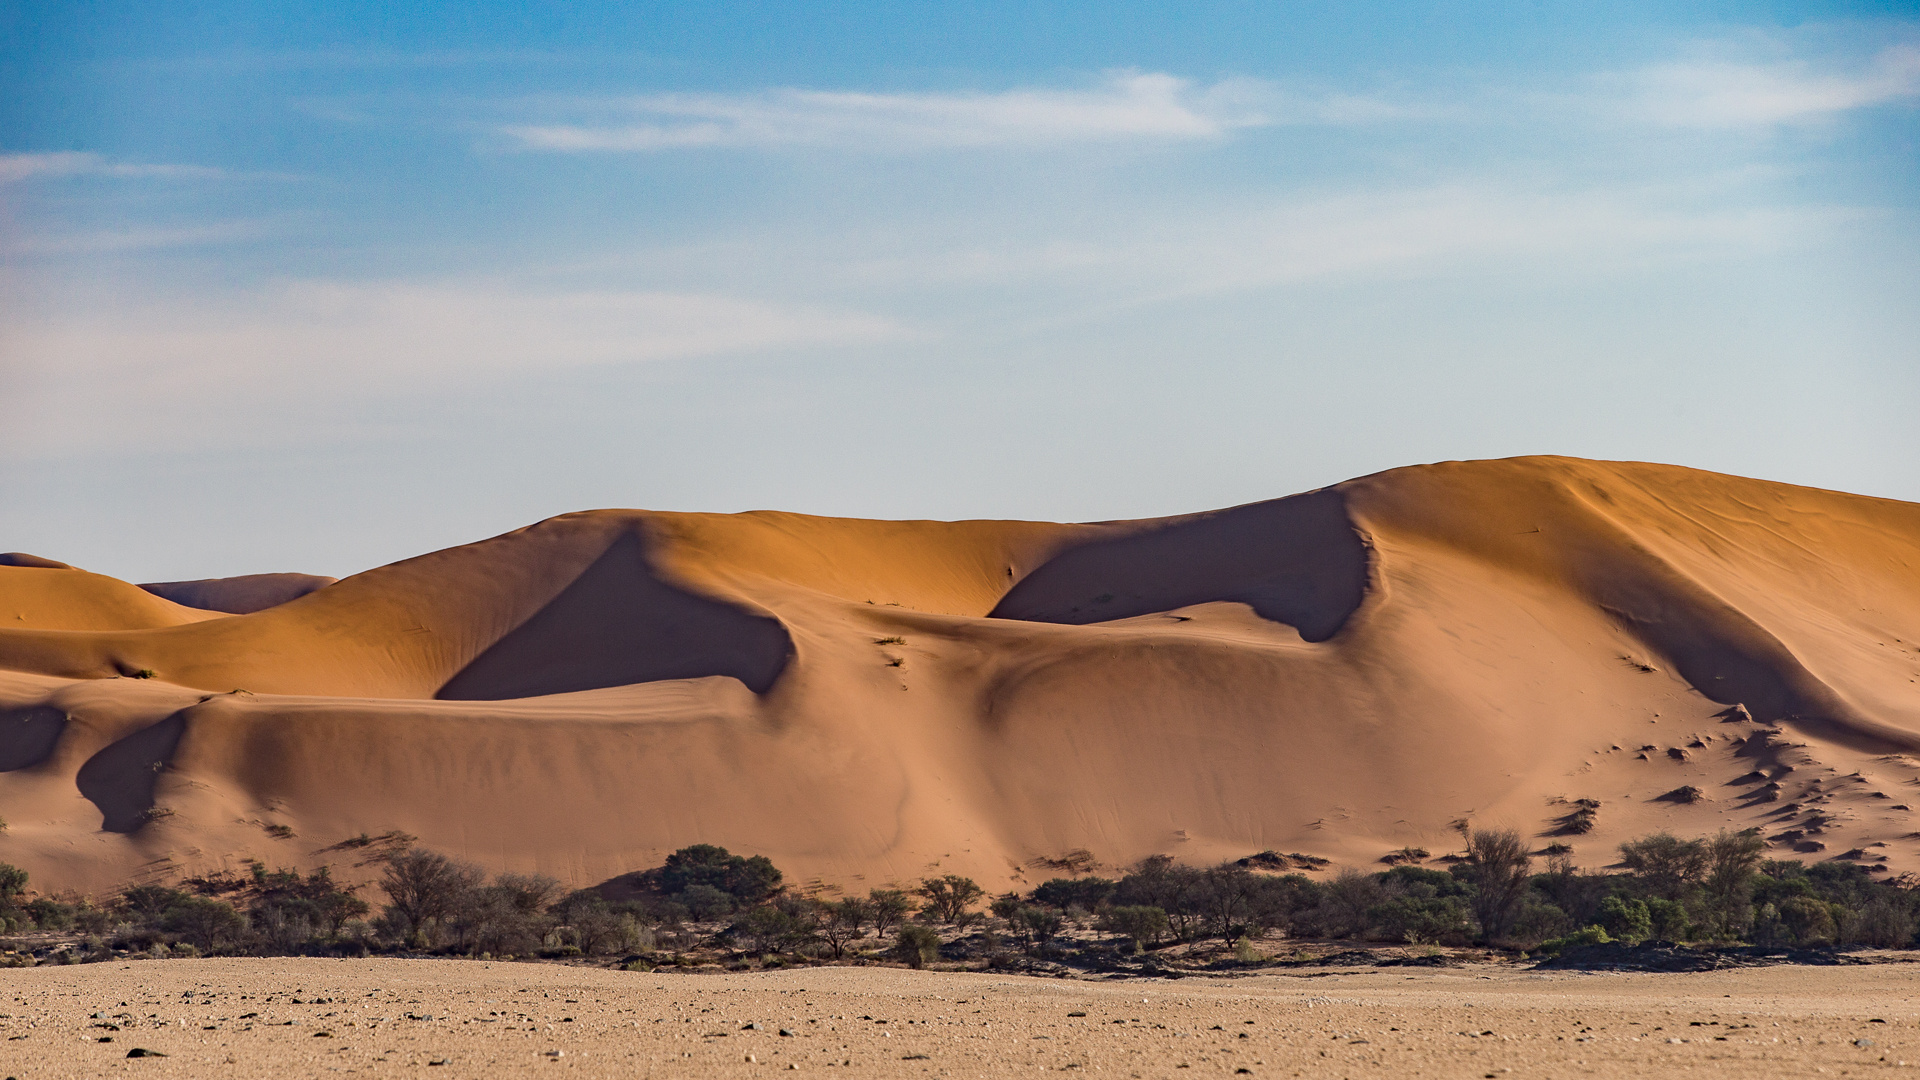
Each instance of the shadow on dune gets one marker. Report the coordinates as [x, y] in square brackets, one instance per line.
[119, 779]
[27, 736]
[21, 558]
[242, 595]
[1297, 560]
[617, 624]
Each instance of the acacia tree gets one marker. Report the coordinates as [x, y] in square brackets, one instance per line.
[1665, 864]
[1229, 895]
[949, 897]
[1731, 859]
[1145, 925]
[1179, 891]
[13, 882]
[840, 922]
[426, 888]
[747, 880]
[508, 916]
[890, 907]
[204, 922]
[1033, 926]
[1500, 866]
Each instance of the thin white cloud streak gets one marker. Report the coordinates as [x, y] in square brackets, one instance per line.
[1142, 106]
[112, 241]
[1129, 106]
[1461, 232]
[1133, 254]
[346, 59]
[403, 331]
[114, 374]
[63, 163]
[1450, 230]
[1722, 94]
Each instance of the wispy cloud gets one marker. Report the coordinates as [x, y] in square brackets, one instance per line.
[1386, 237]
[1723, 90]
[264, 353]
[146, 238]
[348, 59]
[1126, 106]
[1724, 94]
[55, 164]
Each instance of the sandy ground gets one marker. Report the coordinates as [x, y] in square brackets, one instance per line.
[311, 1017]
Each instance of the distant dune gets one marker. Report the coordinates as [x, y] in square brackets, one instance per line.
[239, 595]
[1340, 673]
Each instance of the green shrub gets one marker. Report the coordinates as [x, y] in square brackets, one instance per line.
[289, 910]
[916, 946]
[1881, 923]
[1626, 919]
[1145, 924]
[49, 914]
[1346, 900]
[1033, 927]
[1419, 881]
[13, 882]
[706, 902]
[1085, 893]
[1538, 921]
[1588, 935]
[745, 881]
[1799, 921]
[1670, 919]
[1422, 921]
[203, 923]
[587, 921]
[147, 903]
[762, 929]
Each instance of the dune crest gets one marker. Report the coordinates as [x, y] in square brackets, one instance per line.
[1341, 673]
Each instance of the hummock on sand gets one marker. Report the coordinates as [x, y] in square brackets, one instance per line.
[1341, 673]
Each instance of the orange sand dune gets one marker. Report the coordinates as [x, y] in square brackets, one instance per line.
[1339, 673]
[242, 595]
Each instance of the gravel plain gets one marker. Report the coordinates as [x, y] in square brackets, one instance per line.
[469, 1019]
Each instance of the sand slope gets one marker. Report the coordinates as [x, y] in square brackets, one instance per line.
[242, 595]
[1339, 673]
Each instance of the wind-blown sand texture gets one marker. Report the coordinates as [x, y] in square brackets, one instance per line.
[1340, 673]
[266, 1017]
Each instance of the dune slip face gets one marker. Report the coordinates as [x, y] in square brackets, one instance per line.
[1585, 651]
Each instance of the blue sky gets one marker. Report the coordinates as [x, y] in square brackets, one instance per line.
[318, 286]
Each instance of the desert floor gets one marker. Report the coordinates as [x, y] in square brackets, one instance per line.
[313, 1017]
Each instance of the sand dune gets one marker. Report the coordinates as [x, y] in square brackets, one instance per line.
[1340, 673]
[239, 595]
